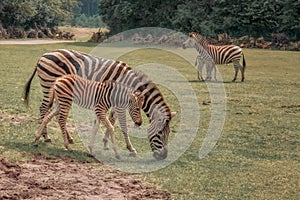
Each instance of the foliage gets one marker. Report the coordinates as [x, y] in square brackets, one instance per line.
[32, 13]
[88, 21]
[123, 15]
[89, 7]
[237, 18]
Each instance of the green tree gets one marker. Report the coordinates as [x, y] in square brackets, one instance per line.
[27, 13]
[89, 7]
[122, 15]
[289, 19]
[16, 13]
[209, 17]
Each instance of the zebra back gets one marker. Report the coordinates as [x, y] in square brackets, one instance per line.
[87, 93]
[61, 62]
[220, 54]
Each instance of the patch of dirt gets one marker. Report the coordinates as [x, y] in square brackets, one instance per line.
[58, 179]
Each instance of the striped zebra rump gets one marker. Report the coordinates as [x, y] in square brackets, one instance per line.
[224, 54]
[61, 62]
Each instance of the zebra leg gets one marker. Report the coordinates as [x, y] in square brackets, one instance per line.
[112, 119]
[121, 115]
[62, 120]
[70, 139]
[94, 132]
[215, 74]
[200, 67]
[208, 71]
[62, 123]
[44, 123]
[243, 73]
[110, 129]
[44, 108]
[236, 69]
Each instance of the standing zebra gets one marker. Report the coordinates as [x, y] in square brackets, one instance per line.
[92, 95]
[223, 54]
[202, 59]
[61, 62]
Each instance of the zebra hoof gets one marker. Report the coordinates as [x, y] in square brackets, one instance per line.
[118, 157]
[133, 154]
[71, 141]
[35, 145]
[90, 155]
[48, 140]
[106, 148]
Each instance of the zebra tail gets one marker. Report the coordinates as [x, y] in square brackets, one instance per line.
[244, 62]
[27, 88]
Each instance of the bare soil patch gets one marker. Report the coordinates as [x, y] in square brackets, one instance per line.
[57, 179]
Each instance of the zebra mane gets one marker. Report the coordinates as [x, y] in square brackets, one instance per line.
[143, 77]
[199, 38]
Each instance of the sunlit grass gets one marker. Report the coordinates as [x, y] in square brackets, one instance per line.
[257, 156]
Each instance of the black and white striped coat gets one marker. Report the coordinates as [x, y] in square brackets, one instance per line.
[223, 54]
[97, 96]
[61, 62]
[203, 58]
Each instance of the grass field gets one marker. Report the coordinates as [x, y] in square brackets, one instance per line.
[257, 156]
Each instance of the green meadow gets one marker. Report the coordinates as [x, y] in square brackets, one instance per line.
[256, 157]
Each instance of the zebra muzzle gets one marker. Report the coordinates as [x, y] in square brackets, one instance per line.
[137, 124]
[161, 155]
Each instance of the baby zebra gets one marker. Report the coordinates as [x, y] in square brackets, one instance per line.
[202, 59]
[210, 66]
[92, 95]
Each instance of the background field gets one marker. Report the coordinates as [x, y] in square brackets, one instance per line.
[257, 156]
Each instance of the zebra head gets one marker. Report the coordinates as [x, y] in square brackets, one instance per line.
[158, 133]
[135, 104]
[189, 43]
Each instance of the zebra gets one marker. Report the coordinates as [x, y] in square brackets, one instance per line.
[223, 54]
[202, 59]
[97, 96]
[62, 61]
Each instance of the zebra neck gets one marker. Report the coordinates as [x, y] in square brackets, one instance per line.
[157, 110]
[200, 48]
[201, 41]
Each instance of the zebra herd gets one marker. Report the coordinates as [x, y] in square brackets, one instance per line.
[98, 84]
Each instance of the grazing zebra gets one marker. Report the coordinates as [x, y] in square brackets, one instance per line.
[61, 62]
[92, 95]
[202, 59]
[223, 54]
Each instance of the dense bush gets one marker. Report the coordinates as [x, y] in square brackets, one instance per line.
[237, 18]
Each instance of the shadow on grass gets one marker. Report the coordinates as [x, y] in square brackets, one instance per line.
[49, 151]
[217, 82]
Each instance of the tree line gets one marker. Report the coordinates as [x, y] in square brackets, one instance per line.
[209, 17]
[49, 13]
[237, 18]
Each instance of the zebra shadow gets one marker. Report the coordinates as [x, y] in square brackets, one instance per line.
[214, 82]
[49, 151]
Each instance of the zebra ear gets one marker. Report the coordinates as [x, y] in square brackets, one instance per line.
[173, 114]
[140, 97]
[137, 93]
